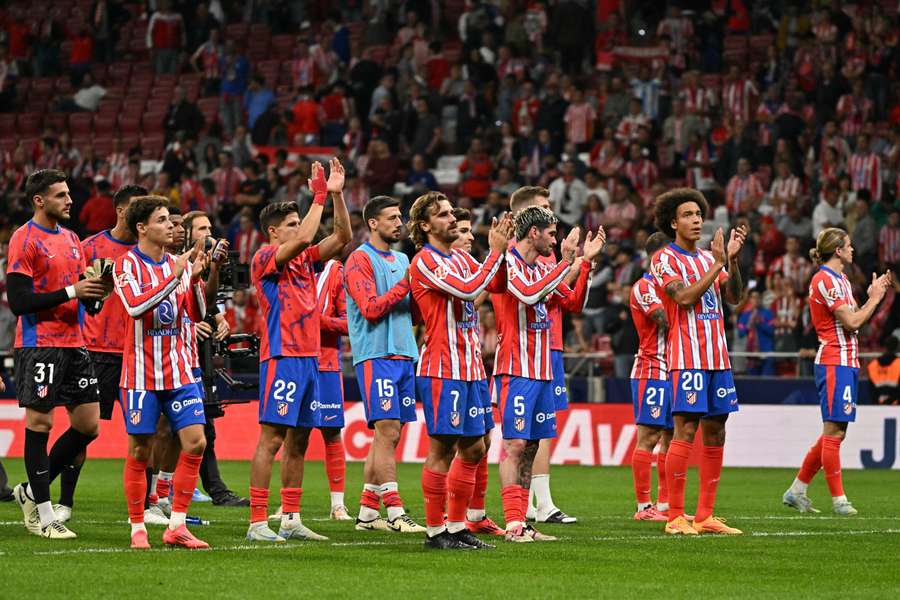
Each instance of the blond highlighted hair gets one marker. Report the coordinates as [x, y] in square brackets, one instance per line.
[828, 242]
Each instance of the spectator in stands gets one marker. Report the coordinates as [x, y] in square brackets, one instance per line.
[756, 324]
[889, 241]
[525, 111]
[771, 243]
[884, 374]
[209, 162]
[381, 169]
[182, 115]
[234, 70]
[241, 148]
[419, 178]
[254, 190]
[627, 131]
[384, 123]
[87, 98]
[792, 266]
[568, 195]
[98, 213]
[426, 136]
[640, 170]
[578, 340]
[621, 214]
[787, 307]
[166, 37]
[384, 90]
[863, 234]
[678, 130]
[105, 20]
[744, 193]
[475, 172]
[828, 212]
[207, 60]
[580, 117]
[257, 100]
[785, 190]
[336, 113]
[200, 27]
[80, 54]
[307, 119]
[864, 168]
[227, 178]
[294, 190]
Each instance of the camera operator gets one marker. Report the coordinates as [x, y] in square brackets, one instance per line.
[197, 225]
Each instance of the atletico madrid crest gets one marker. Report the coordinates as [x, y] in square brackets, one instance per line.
[519, 424]
[692, 398]
[385, 404]
[454, 419]
[654, 412]
[848, 408]
[134, 416]
[42, 391]
[282, 409]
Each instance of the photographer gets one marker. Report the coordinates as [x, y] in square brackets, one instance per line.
[197, 226]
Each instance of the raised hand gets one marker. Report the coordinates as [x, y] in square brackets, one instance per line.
[736, 241]
[316, 182]
[335, 182]
[498, 238]
[717, 247]
[879, 286]
[569, 246]
[594, 243]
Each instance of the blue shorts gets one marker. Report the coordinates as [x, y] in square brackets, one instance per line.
[652, 402]
[182, 406]
[558, 368]
[452, 406]
[710, 393]
[388, 390]
[488, 405]
[837, 387]
[289, 391]
[527, 406]
[331, 399]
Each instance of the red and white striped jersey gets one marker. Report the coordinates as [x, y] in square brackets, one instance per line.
[740, 191]
[889, 244]
[794, 268]
[523, 319]
[695, 176]
[739, 97]
[696, 338]
[696, 100]
[247, 243]
[865, 173]
[786, 189]
[628, 128]
[566, 299]
[190, 341]
[854, 112]
[154, 353]
[787, 309]
[332, 314]
[828, 291]
[642, 173]
[444, 287]
[650, 360]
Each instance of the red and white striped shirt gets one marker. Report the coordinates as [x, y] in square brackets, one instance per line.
[566, 299]
[579, 122]
[828, 291]
[523, 320]
[696, 100]
[627, 131]
[228, 181]
[865, 173]
[247, 243]
[698, 176]
[853, 112]
[784, 190]
[740, 191]
[642, 173]
[189, 338]
[445, 287]
[787, 308]
[739, 98]
[795, 269]
[889, 244]
[650, 360]
[154, 353]
[696, 338]
[333, 314]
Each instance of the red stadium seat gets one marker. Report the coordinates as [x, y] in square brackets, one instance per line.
[129, 141]
[80, 123]
[104, 124]
[152, 146]
[119, 72]
[158, 105]
[133, 108]
[283, 46]
[57, 120]
[152, 122]
[259, 30]
[7, 125]
[103, 145]
[43, 85]
[237, 31]
[28, 124]
[129, 124]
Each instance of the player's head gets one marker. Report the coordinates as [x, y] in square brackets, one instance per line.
[49, 193]
[431, 218]
[680, 213]
[281, 221]
[655, 242]
[464, 236]
[536, 225]
[382, 217]
[530, 195]
[196, 226]
[832, 241]
[177, 220]
[122, 199]
[148, 220]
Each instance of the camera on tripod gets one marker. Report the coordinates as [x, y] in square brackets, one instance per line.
[233, 275]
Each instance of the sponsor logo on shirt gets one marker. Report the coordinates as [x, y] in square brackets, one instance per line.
[542, 417]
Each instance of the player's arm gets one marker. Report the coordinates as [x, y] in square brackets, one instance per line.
[734, 288]
[532, 293]
[359, 280]
[649, 303]
[854, 320]
[310, 224]
[464, 288]
[333, 245]
[572, 299]
[136, 302]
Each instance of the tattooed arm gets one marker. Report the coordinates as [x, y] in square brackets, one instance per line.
[659, 315]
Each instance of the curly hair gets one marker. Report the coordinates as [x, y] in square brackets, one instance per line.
[666, 207]
[140, 210]
[533, 216]
[422, 209]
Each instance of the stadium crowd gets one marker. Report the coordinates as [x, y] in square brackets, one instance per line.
[785, 115]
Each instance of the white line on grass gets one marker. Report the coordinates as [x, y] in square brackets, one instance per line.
[624, 538]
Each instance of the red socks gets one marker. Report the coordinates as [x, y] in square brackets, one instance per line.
[641, 467]
[370, 499]
[335, 465]
[512, 503]
[134, 478]
[162, 488]
[811, 463]
[676, 476]
[461, 486]
[185, 480]
[662, 492]
[259, 504]
[392, 498]
[290, 500]
[710, 471]
[481, 481]
[831, 462]
[434, 490]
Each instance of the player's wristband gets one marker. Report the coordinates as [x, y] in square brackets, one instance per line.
[70, 292]
[320, 197]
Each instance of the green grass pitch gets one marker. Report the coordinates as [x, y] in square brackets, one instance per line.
[606, 555]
